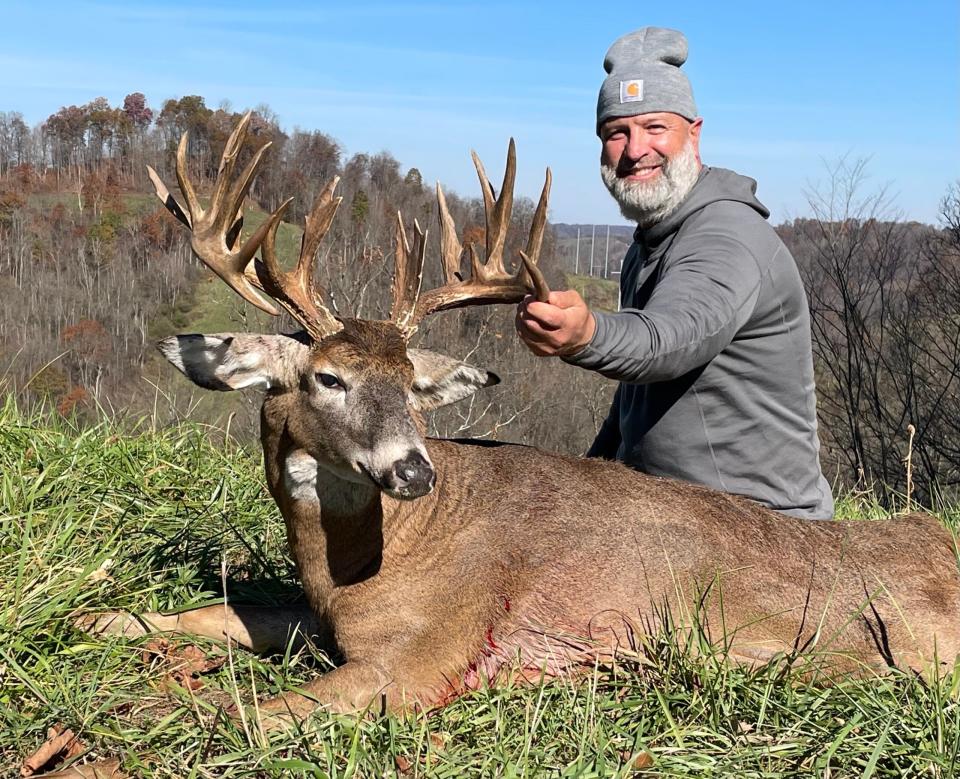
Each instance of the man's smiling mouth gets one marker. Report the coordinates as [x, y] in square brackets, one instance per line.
[641, 173]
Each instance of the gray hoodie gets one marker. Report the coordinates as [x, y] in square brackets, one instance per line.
[712, 351]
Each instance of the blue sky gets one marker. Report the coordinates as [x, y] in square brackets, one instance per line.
[783, 87]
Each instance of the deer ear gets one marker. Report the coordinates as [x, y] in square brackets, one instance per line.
[439, 380]
[233, 361]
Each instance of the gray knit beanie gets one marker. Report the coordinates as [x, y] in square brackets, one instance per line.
[645, 76]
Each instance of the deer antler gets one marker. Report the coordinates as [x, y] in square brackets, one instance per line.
[295, 290]
[214, 231]
[489, 282]
[407, 277]
[214, 234]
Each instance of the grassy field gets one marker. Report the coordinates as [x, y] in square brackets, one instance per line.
[143, 519]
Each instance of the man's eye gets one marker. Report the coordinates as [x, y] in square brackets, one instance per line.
[329, 380]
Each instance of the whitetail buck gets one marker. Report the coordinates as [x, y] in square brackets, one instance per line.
[432, 565]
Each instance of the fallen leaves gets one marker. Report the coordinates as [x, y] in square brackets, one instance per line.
[61, 744]
[101, 769]
[182, 663]
[637, 762]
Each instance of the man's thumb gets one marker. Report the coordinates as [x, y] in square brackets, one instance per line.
[567, 298]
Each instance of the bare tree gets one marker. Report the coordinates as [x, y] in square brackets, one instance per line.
[884, 343]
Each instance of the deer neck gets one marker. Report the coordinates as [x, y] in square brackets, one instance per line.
[339, 530]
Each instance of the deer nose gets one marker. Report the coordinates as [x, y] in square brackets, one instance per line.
[413, 475]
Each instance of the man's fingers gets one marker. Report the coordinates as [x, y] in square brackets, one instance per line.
[539, 341]
[547, 315]
[555, 327]
[531, 331]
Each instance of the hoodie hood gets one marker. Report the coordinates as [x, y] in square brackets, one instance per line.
[712, 185]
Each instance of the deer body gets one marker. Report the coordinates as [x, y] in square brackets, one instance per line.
[525, 561]
[433, 565]
[575, 559]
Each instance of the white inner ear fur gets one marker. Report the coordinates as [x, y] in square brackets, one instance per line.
[233, 361]
[248, 372]
[440, 380]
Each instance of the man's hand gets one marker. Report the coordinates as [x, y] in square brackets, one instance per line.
[558, 328]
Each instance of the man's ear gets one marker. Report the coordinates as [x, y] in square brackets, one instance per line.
[439, 380]
[232, 361]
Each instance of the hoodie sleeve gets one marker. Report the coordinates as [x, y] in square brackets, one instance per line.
[707, 291]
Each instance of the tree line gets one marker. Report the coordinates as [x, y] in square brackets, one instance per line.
[92, 269]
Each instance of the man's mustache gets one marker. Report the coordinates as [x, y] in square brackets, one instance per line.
[627, 169]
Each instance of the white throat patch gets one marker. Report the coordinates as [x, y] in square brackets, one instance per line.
[300, 476]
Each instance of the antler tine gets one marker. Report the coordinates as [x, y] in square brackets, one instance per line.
[183, 179]
[294, 290]
[531, 256]
[450, 247]
[497, 211]
[407, 277]
[231, 204]
[220, 203]
[214, 231]
[167, 199]
[319, 219]
[539, 224]
[489, 282]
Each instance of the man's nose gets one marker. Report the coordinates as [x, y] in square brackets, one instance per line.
[638, 146]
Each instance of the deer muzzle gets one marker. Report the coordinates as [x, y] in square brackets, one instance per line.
[411, 477]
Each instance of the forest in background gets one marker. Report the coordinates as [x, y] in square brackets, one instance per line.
[93, 270]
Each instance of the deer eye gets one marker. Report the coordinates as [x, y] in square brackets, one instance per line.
[330, 381]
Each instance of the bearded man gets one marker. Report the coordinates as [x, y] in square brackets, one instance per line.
[712, 343]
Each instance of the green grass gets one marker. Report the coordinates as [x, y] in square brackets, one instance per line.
[136, 518]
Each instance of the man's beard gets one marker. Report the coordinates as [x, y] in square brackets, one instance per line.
[648, 202]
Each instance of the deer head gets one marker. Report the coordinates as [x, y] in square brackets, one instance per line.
[352, 389]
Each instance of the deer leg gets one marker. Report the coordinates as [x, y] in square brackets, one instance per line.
[352, 687]
[257, 628]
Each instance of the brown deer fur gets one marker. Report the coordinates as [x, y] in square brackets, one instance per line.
[524, 560]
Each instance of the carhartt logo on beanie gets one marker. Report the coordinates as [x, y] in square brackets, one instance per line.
[645, 76]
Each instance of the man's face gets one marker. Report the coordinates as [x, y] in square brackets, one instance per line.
[649, 163]
[638, 146]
